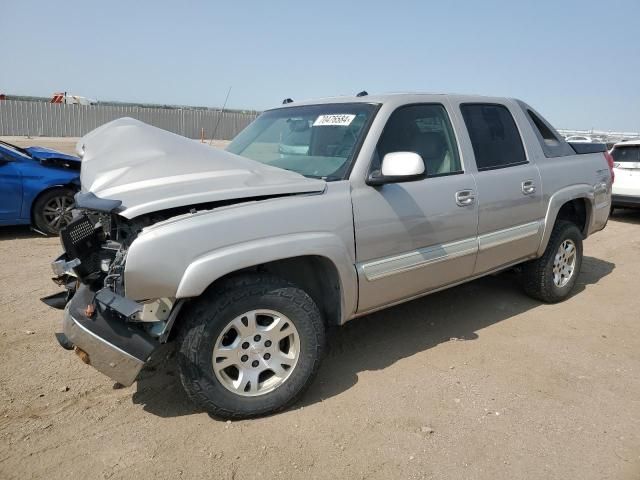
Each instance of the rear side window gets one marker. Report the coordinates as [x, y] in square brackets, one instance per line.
[494, 136]
[622, 154]
[551, 142]
[545, 132]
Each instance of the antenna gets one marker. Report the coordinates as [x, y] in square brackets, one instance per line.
[363, 93]
[287, 100]
[215, 130]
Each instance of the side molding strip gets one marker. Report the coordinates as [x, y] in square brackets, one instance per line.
[423, 257]
[500, 237]
[418, 258]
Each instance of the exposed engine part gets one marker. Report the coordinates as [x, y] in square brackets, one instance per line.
[96, 247]
[105, 265]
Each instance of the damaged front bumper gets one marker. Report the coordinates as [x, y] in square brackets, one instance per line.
[103, 340]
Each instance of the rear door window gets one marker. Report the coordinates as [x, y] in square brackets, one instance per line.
[494, 135]
[628, 154]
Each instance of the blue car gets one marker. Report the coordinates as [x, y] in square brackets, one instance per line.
[37, 186]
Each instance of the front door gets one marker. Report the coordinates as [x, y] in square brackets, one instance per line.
[10, 190]
[413, 237]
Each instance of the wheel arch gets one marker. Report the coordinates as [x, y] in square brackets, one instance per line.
[574, 204]
[315, 274]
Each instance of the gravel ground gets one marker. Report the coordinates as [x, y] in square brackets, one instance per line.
[478, 381]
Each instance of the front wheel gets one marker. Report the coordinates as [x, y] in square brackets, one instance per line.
[551, 277]
[251, 347]
[52, 210]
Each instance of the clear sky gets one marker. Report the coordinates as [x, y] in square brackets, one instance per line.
[578, 62]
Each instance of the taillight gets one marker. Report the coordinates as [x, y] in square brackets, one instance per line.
[609, 158]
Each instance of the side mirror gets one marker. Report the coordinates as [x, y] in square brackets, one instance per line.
[398, 167]
[4, 159]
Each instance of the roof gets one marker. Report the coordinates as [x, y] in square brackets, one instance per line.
[393, 98]
[634, 143]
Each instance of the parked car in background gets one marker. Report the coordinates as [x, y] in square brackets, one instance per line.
[318, 212]
[626, 166]
[37, 186]
[579, 139]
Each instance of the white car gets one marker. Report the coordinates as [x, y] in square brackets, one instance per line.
[579, 139]
[626, 166]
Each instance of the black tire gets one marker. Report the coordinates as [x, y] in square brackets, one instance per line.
[42, 216]
[538, 276]
[206, 318]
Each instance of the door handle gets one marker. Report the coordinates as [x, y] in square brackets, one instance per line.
[528, 187]
[465, 198]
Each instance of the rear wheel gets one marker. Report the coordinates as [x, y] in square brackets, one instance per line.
[52, 210]
[551, 277]
[251, 347]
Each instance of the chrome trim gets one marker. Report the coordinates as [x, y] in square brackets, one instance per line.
[464, 198]
[103, 356]
[419, 258]
[500, 237]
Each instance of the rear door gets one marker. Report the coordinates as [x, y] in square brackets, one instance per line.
[510, 207]
[413, 237]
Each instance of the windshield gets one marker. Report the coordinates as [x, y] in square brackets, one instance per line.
[626, 154]
[316, 141]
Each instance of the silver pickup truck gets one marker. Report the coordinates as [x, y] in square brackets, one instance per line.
[317, 213]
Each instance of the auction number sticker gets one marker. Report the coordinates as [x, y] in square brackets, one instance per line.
[340, 120]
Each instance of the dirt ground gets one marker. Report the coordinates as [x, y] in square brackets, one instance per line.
[477, 382]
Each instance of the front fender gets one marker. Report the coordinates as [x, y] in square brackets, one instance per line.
[181, 257]
[206, 269]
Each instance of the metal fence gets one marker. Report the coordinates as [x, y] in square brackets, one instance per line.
[60, 120]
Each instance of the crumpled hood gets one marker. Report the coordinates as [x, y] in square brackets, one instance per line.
[149, 169]
[42, 153]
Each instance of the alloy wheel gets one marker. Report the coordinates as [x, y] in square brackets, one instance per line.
[564, 263]
[57, 212]
[256, 352]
